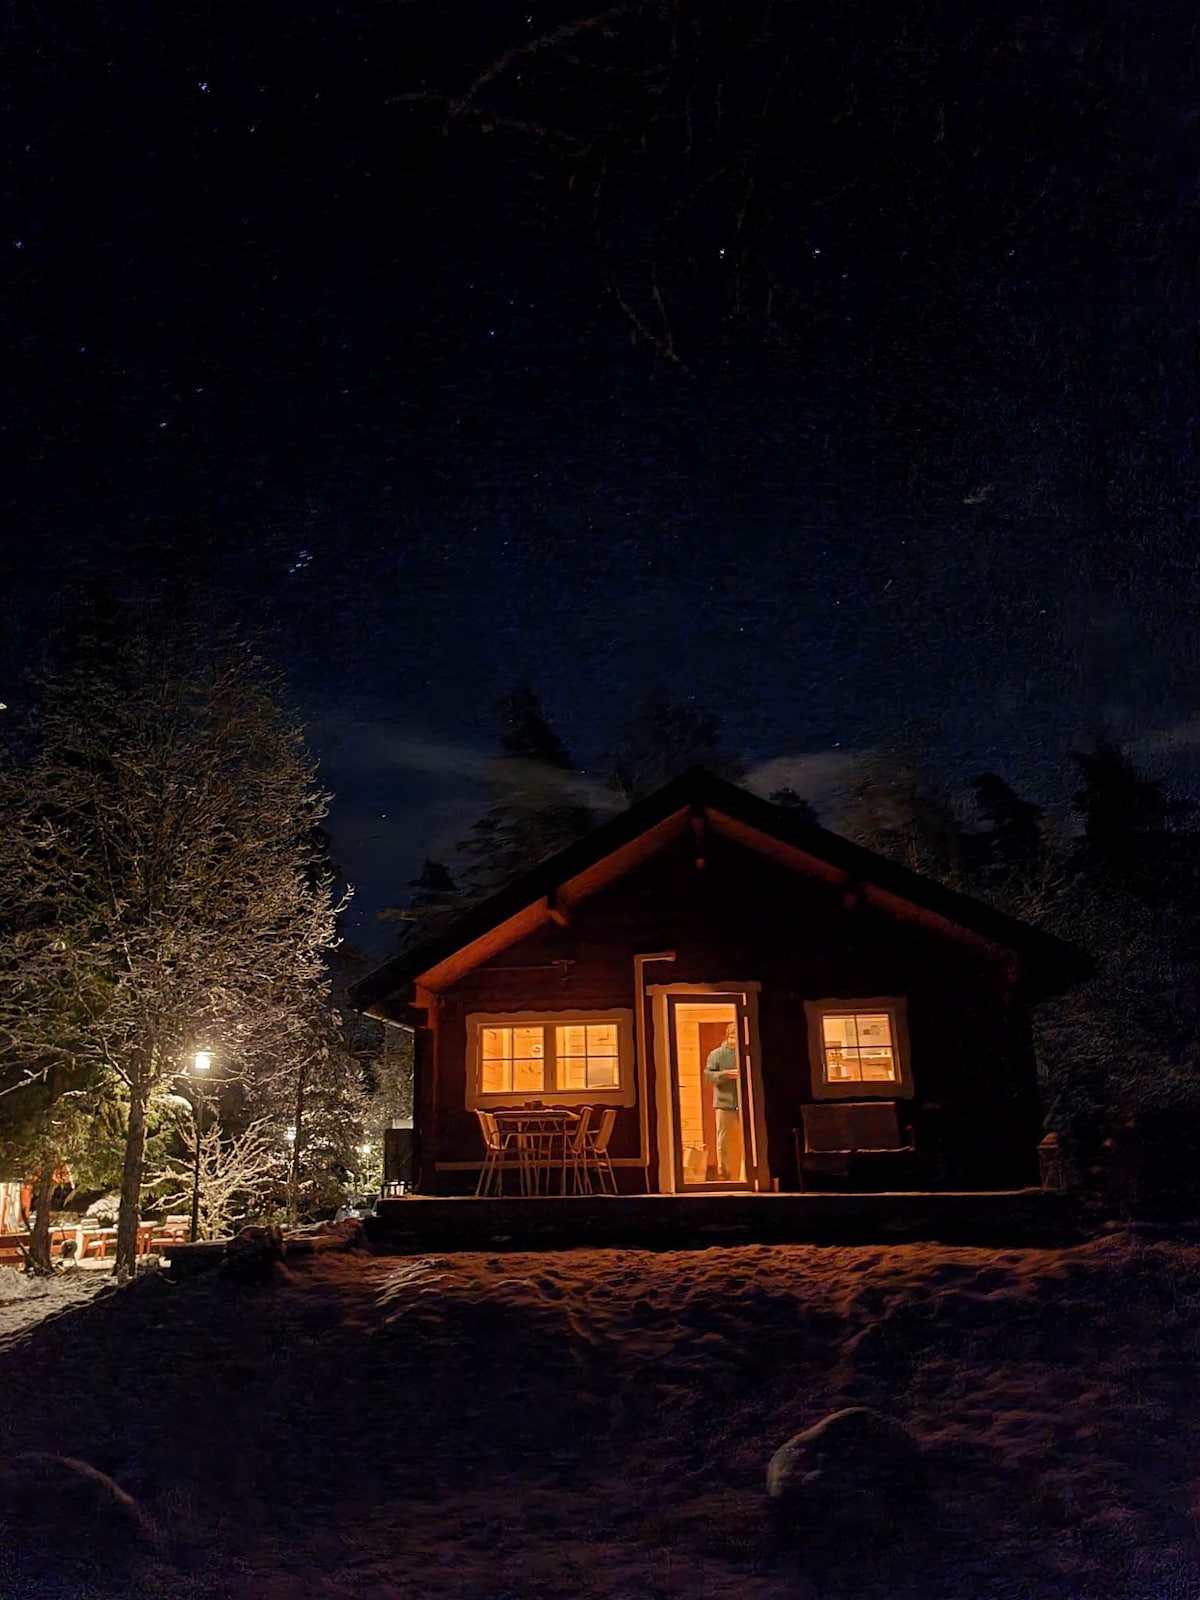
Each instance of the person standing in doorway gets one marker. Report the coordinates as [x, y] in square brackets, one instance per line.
[721, 1070]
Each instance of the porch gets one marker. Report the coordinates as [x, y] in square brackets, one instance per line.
[1035, 1218]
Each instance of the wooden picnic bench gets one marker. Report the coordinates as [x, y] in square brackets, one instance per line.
[93, 1243]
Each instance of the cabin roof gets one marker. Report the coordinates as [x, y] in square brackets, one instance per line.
[1050, 965]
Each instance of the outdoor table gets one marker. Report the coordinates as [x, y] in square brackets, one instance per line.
[543, 1136]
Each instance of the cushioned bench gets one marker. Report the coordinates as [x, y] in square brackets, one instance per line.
[835, 1132]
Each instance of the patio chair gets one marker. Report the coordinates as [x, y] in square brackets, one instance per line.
[577, 1152]
[500, 1155]
[597, 1150]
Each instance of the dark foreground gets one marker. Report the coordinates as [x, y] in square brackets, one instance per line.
[597, 1424]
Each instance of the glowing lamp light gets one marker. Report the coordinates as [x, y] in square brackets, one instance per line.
[290, 1135]
[202, 1060]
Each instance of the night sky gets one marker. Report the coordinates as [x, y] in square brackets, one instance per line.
[906, 447]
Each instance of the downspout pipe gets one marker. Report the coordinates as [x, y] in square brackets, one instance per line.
[640, 963]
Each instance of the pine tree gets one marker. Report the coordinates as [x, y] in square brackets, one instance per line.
[663, 740]
[1127, 822]
[793, 802]
[1008, 859]
[538, 802]
[899, 808]
[1129, 1038]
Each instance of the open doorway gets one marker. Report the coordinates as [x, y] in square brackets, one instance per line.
[708, 1038]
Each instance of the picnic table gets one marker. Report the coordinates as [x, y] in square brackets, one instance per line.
[94, 1242]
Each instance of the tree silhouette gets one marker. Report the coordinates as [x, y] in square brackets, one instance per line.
[662, 741]
[537, 801]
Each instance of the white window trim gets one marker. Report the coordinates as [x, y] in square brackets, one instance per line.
[897, 1008]
[625, 1093]
[757, 1168]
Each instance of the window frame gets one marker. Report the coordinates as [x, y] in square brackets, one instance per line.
[896, 1007]
[623, 1094]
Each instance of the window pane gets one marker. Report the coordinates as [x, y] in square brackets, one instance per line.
[841, 1066]
[571, 1041]
[528, 1043]
[840, 1031]
[601, 1039]
[528, 1075]
[874, 1029]
[497, 1043]
[495, 1077]
[878, 1066]
[602, 1072]
[572, 1072]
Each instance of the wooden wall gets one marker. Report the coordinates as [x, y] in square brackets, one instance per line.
[743, 917]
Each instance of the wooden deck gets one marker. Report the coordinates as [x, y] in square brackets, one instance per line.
[1019, 1217]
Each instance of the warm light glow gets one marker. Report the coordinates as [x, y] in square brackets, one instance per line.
[859, 1048]
[586, 1056]
[364, 1149]
[201, 1061]
[290, 1135]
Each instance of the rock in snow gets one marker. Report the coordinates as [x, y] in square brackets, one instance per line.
[856, 1471]
[53, 1506]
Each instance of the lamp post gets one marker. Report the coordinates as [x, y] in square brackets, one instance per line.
[201, 1062]
[293, 1188]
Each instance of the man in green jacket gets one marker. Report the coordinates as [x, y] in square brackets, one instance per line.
[721, 1070]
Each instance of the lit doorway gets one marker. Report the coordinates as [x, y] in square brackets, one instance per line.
[708, 1039]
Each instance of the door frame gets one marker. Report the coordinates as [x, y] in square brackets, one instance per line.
[758, 1177]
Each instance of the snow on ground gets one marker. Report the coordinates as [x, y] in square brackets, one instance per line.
[25, 1301]
[597, 1424]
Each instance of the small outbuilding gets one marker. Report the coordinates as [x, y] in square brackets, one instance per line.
[759, 1004]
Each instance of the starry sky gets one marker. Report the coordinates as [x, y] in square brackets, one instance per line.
[834, 371]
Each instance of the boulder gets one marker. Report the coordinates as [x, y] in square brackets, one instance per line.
[856, 1472]
[255, 1256]
[61, 1510]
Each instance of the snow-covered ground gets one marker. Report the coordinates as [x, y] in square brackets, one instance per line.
[24, 1301]
[597, 1424]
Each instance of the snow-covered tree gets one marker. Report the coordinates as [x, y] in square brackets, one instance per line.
[238, 1172]
[159, 878]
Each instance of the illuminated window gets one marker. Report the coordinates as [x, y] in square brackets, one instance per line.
[586, 1056]
[559, 1058]
[512, 1059]
[858, 1051]
[859, 1048]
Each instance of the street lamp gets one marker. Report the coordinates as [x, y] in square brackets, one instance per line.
[291, 1134]
[201, 1062]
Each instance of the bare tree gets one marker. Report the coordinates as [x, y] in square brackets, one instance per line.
[236, 1172]
[161, 872]
[667, 122]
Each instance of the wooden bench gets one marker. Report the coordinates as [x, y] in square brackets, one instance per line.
[836, 1133]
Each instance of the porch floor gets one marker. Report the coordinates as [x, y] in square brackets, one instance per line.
[1000, 1218]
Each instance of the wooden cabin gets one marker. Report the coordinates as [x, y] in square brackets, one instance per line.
[875, 1025]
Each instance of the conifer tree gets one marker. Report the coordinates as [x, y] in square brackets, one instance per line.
[537, 801]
